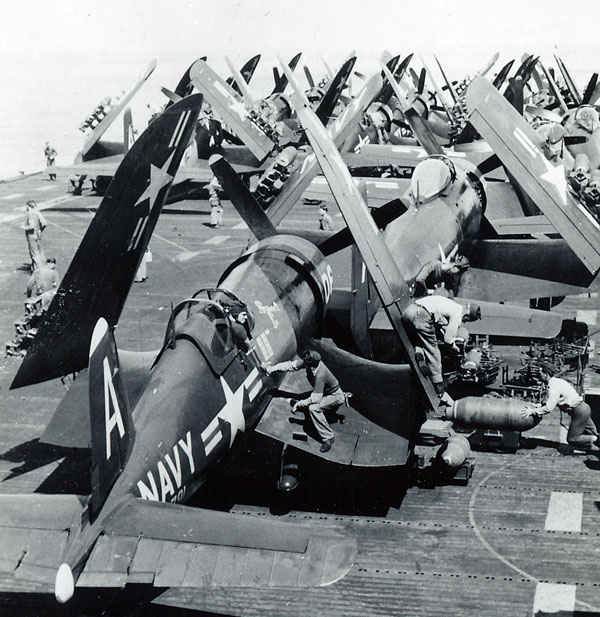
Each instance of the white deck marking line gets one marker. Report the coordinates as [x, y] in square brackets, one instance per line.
[181, 248]
[564, 512]
[44, 188]
[240, 226]
[490, 548]
[13, 196]
[68, 231]
[43, 205]
[217, 240]
[554, 598]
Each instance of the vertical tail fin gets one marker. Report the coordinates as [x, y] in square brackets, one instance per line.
[112, 429]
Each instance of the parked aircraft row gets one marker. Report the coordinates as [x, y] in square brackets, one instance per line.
[158, 422]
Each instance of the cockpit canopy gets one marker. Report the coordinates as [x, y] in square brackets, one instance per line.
[204, 319]
[431, 178]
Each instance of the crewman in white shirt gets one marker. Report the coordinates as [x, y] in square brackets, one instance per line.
[423, 319]
[582, 432]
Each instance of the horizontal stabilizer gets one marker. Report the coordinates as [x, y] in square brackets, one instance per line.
[514, 321]
[500, 320]
[503, 287]
[529, 225]
[540, 258]
[69, 427]
[167, 545]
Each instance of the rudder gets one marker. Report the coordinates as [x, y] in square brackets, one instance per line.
[111, 426]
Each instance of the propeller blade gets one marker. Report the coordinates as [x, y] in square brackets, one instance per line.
[489, 165]
[421, 82]
[589, 89]
[382, 216]
[309, 77]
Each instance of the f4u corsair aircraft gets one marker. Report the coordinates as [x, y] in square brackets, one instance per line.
[158, 422]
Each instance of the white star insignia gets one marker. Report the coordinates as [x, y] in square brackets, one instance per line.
[362, 141]
[555, 175]
[232, 411]
[159, 178]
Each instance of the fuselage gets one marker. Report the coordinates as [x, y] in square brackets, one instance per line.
[204, 387]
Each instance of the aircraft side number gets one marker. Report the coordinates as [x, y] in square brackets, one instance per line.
[327, 280]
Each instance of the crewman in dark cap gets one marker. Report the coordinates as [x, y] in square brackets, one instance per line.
[326, 395]
[582, 433]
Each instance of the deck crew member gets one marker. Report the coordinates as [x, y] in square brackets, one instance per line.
[141, 273]
[214, 201]
[50, 154]
[440, 276]
[423, 319]
[34, 226]
[43, 279]
[326, 395]
[582, 433]
[325, 222]
[240, 327]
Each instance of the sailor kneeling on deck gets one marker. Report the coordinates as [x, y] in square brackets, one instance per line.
[326, 395]
[582, 433]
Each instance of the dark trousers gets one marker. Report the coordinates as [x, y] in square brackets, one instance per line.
[582, 430]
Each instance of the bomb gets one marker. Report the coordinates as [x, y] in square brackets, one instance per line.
[494, 413]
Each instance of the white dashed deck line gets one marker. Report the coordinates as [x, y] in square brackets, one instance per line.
[554, 598]
[12, 196]
[44, 188]
[564, 512]
[216, 240]
[240, 226]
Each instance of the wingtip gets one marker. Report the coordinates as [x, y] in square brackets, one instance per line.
[100, 330]
[64, 584]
